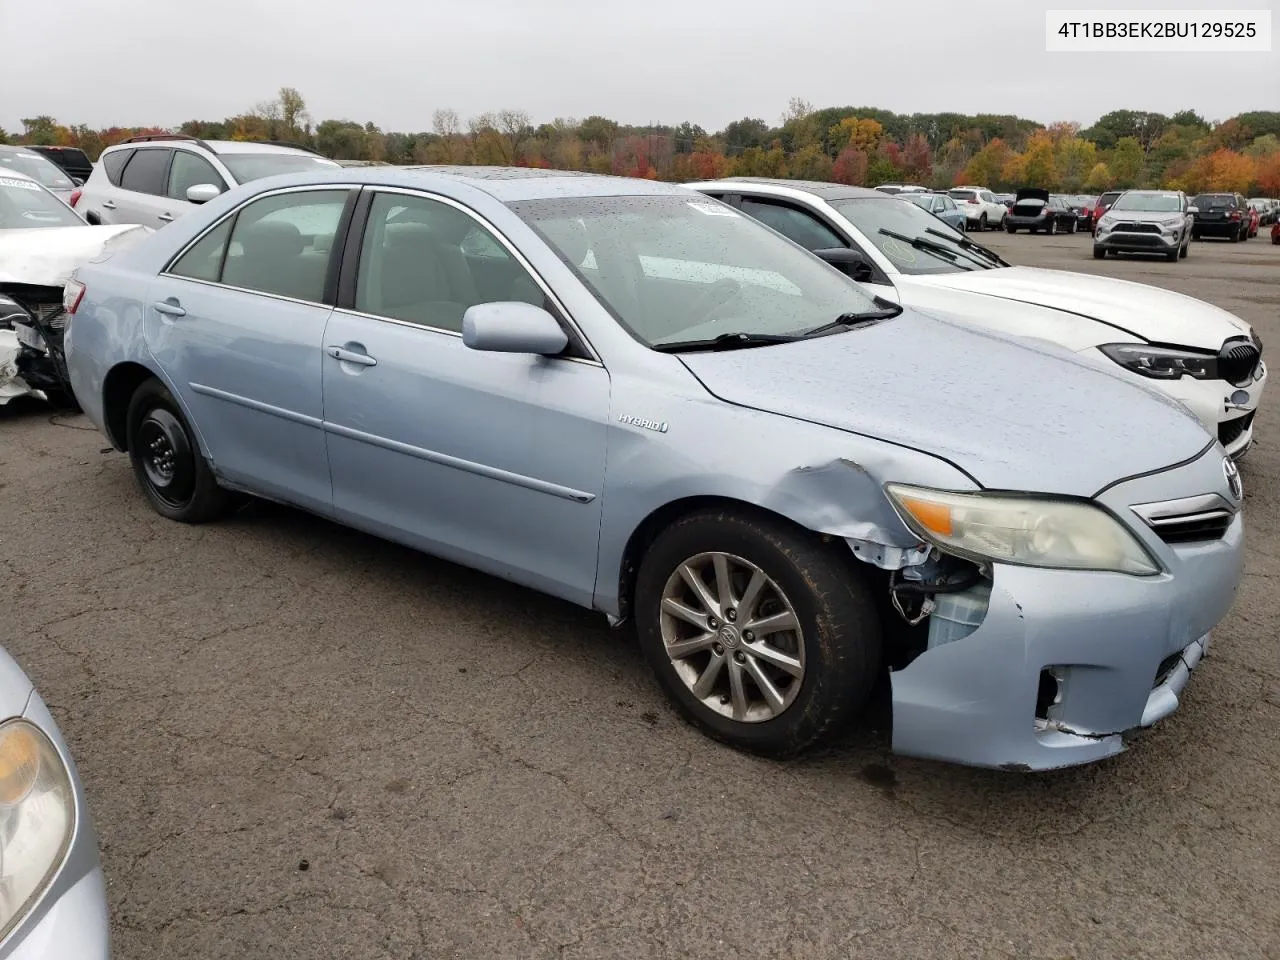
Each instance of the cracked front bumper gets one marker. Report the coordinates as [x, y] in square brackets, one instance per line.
[1123, 648]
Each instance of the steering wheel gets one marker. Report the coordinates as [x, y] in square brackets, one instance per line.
[717, 295]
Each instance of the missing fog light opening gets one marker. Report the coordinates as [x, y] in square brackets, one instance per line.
[1047, 694]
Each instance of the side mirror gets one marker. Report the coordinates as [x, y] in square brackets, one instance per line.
[512, 327]
[849, 262]
[202, 192]
[1193, 210]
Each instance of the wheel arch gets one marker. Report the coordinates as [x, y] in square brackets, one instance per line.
[662, 517]
[118, 387]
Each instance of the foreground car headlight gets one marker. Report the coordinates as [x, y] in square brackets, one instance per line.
[1162, 363]
[37, 818]
[1106, 223]
[1029, 531]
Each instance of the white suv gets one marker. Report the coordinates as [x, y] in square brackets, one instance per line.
[982, 211]
[154, 180]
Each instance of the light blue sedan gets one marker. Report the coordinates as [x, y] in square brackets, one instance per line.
[630, 396]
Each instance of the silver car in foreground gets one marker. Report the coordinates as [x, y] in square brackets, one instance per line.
[53, 901]
[635, 398]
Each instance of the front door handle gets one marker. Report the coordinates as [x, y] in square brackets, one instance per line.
[109, 204]
[351, 356]
[170, 308]
[166, 217]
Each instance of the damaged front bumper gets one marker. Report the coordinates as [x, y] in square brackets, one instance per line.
[1066, 664]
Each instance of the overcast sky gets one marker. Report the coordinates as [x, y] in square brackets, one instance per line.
[137, 62]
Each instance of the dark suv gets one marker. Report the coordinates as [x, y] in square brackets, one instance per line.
[71, 159]
[1221, 215]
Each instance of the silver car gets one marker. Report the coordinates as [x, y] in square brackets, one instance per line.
[152, 180]
[633, 397]
[1146, 221]
[53, 901]
[39, 168]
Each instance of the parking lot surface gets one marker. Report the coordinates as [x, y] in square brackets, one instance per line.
[302, 742]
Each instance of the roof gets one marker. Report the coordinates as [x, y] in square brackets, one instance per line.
[819, 188]
[505, 184]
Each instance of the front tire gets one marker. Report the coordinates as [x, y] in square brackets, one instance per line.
[167, 460]
[1071, 227]
[761, 634]
[1099, 253]
[982, 223]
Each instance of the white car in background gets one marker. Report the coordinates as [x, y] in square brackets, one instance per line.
[42, 240]
[154, 179]
[1201, 355]
[981, 208]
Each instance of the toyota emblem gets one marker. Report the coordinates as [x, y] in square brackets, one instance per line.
[1232, 473]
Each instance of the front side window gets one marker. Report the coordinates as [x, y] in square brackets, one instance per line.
[189, 170]
[426, 262]
[25, 205]
[672, 268]
[145, 172]
[806, 230]
[280, 245]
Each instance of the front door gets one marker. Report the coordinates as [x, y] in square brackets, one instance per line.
[493, 460]
[238, 324]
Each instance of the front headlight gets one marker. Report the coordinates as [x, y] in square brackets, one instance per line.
[37, 818]
[1172, 223]
[1163, 363]
[1106, 222]
[1030, 531]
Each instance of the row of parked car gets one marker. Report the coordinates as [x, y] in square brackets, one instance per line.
[1226, 215]
[799, 434]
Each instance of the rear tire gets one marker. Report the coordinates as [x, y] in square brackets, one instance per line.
[167, 460]
[832, 655]
[1052, 228]
[1011, 228]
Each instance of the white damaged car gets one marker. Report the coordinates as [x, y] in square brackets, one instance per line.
[1205, 357]
[42, 240]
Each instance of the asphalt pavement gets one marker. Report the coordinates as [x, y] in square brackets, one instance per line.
[302, 742]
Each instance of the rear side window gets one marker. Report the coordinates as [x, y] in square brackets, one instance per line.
[113, 164]
[146, 171]
[189, 170]
[204, 260]
[281, 244]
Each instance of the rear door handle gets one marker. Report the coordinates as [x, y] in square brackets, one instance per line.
[350, 356]
[166, 217]
[170, 308]
[109, 204]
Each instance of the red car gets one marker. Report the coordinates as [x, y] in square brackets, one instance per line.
[1102, 206]
[1275, 232]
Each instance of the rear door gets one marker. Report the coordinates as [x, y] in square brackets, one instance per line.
[237, 323]
[140, 198]
[490, 459]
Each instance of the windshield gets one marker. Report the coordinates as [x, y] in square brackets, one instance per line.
[25, 205]
[1149, 202]
[962, 194]
[1213, 201]
[872, 215]
[674, 267]
[34, 166]
[252, 166]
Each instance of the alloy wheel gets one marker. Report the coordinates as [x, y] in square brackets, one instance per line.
[733, 637]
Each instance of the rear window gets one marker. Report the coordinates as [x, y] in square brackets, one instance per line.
[1109, 198]
[1214, 201]
[963, 194]
[114, 162]
[252, 166]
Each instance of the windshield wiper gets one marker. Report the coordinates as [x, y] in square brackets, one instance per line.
[936, 249]
[726, 341]
[968, 244]
[888, 310]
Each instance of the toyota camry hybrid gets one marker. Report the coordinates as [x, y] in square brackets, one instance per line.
[638, 399]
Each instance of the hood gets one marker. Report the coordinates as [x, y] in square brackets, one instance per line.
[1012, 416]
[1031, 193]
[1135, 310]
[1143, 216]
[46, 256]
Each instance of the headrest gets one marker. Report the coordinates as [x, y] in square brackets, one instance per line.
[276, 237]
[570, 236]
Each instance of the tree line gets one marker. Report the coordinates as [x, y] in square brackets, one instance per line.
[860, 146]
